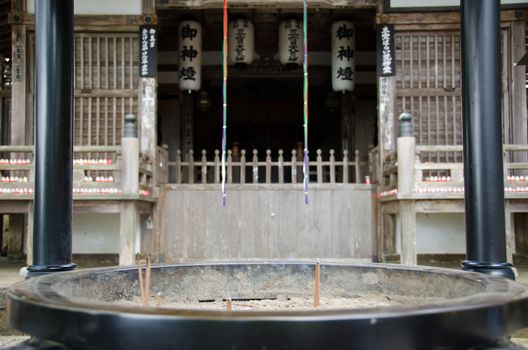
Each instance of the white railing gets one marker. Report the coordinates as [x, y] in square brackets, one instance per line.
[244, 168]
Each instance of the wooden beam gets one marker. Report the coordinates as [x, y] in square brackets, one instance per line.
[429, 18]
[108, 21]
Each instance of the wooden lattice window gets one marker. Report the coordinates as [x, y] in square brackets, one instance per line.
[428, 84]
[106, 85]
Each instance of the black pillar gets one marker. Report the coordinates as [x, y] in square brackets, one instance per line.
[52, 242]
[483, 163]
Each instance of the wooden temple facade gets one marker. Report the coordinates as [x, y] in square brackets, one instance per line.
[373, 195]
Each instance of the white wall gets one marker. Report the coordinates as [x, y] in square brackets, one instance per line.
[100, 7]
[95, 233]
[438, 234]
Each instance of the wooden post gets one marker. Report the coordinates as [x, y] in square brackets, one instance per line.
[129, 216]
[332, 166]
[216, 166]
[345, 166]
[255, 166]
[147, 99]
[406, 156]
[243, 166]
[178, 167]
[130, 154]
[19, 86]
[319, 159]
[128, 230]
[229, 166]
[190, 166]
[510, 232]
[204, 166]
[386, 98]
[29, 235]
[518, 76]
[15, 237]
[357, 160]
[408, 232]
[268, 166]
[294, 167]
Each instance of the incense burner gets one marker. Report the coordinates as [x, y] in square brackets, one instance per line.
[95, 309]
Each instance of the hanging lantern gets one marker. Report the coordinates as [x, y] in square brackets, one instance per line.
[291, 42]
[190, 55]
[241, 42]
[343, 52]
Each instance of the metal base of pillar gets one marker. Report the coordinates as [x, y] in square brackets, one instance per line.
[39, 270]
[505, 270]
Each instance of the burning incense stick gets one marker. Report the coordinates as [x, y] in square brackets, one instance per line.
[317, 284]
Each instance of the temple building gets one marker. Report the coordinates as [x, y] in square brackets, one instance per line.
[384, 130]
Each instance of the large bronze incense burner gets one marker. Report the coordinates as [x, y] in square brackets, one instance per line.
[434, 308]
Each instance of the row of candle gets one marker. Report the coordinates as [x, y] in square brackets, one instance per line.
[13, 179]
[392, 192]
[83, 161]
[87, 161]
[439, 190]
[516, 189]
[517, 178]
[438, 179]
[84, 190]
[25, 190]
[15, 161]
[99, 179]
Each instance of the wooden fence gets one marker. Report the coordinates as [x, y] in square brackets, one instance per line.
[242, 168]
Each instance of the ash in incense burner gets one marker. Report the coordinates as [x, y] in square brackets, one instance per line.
[427, 308]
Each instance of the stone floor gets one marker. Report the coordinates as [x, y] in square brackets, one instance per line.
[9, 274]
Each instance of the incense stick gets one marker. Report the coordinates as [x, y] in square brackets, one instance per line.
[140, 277]
[147, 283]
[317, 284]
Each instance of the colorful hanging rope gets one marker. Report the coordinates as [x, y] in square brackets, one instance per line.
[224, 113]
[306, 163]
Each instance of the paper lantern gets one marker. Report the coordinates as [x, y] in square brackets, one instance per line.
[241, 42]
[190, 55]
[343, 55]
[291, 42]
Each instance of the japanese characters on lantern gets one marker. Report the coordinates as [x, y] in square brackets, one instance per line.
[343, 52]
[190, 55]
[291, 42]
[241, 42]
